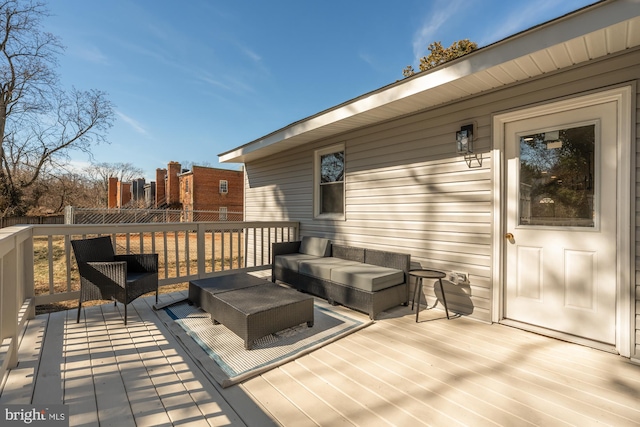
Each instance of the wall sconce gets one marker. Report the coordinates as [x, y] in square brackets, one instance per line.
[464, 140]
[464, 145]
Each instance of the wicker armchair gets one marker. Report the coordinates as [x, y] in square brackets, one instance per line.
[105, 275]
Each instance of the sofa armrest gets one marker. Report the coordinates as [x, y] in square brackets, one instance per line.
[282, 248]
[388, 259]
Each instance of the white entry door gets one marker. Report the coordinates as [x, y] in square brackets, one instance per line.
[561, 222]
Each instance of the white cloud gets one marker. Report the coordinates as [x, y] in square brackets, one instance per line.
[210, 80]
[251, 54]
[92, 54]
[78, 165]
[522, 18]
[133, 123]
[442, 13]
[366, 58]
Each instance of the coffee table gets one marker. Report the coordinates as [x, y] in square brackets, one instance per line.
[251, 307]
[201, 291]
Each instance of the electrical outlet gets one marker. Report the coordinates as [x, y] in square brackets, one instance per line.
[459, 278]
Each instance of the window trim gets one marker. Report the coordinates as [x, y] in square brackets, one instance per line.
[316, 183]
[226, 186]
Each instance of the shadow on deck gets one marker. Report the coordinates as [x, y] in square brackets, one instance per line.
[395, 372]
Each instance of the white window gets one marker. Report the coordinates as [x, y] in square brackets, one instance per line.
[329, 173]
[224, 186]
[223, 213]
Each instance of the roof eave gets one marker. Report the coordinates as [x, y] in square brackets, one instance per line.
[397, 97]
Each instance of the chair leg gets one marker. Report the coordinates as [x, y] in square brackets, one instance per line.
[79, 309]
[156, 295]
[125, 314]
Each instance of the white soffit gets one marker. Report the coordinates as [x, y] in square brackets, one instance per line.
[591, 33]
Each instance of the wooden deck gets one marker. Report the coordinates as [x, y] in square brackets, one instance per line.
[395, 372]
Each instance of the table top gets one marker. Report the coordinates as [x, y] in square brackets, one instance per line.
[260, 298]
[229, 282]
[428, 274]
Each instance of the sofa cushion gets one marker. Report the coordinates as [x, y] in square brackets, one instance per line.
[321, 267]
[367, 277]
[290, 261]
[317, 246]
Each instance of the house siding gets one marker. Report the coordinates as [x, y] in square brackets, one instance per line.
[407, 190]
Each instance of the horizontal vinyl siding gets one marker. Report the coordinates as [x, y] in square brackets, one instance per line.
[279, 188]
[407, 190]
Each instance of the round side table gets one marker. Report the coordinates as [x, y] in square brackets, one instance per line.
[421, 274]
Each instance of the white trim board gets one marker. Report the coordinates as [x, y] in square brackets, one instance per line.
[625, 248]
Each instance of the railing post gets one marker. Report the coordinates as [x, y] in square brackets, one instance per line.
[10, 306]
[27, 278]
[245, 232]
[200, 248]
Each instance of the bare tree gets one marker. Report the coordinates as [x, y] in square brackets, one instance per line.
[101, 172]
[40, 123]
[52, 193]
[187, 164]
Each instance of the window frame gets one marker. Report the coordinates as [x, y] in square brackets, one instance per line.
[317, 182]
[223, 183]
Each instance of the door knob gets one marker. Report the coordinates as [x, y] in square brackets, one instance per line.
[508, 236]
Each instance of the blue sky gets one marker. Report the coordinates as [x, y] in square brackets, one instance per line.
[191, 79]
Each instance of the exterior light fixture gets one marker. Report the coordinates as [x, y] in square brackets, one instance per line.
[464, 140]
[464, 145]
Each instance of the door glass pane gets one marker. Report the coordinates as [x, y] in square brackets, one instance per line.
[557, 176]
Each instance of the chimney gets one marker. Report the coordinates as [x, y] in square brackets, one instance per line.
[173, 184]
[124, 196]
[161, 194]
[112, 193]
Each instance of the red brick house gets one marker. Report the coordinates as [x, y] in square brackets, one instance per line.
[119, 193]
[211, 189]
[213, 194]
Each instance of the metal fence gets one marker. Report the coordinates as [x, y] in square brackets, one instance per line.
[75, 215]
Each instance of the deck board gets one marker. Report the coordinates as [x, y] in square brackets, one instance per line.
[395, 372]
[454, 362]
[49, 372]
[19, 386]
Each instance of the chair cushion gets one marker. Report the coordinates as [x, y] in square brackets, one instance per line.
[321, 267]
[367, 277]
[290, 261]
[317, 246]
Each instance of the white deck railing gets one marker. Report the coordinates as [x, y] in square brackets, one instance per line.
[37, 265]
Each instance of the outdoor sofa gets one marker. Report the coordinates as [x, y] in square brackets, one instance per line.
[362, 279]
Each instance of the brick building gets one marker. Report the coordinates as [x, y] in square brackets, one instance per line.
[118, 193]
[201, 189]
[211, 189]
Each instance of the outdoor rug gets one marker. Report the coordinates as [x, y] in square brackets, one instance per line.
[228, 362]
